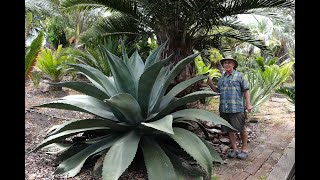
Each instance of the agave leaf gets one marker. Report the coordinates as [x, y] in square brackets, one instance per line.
[128, 106]
[215, 156]
[97, 139]
[82, 103]
[157, 87]
[57, 137]
[157, 162]
[72, 150]
[97, 168]
[172, 74]
[56, 148]
[98, 77]
[83, 88]
[193, 145]
[73, 165]
[185, 120]
[177, 89]
[124, 80]
[87, 123]
[164, 124]
[124, 52]
[202, 115]
[184, 100]
[136, 66]
[146, 82]
[120, 156]
[183, 169]
[155, 55]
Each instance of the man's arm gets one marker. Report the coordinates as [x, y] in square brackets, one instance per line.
[247, 99]
[212, 86]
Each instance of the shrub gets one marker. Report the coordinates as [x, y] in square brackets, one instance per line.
[134, 113]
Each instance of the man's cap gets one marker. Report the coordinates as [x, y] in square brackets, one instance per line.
[229, 58]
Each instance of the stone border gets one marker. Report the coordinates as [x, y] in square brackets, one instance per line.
[285, 168]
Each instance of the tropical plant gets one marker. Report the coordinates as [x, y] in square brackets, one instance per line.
[289, 91]
[264, 81]
[189, 25]
[56, 32]
[53, 64]
[32, 51]
[35, 77]
[133, 113]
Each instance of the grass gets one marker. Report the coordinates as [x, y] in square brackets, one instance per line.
[214, 177]
[263, 177]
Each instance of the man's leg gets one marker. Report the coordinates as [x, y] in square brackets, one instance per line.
[233, 140]
[244, 140]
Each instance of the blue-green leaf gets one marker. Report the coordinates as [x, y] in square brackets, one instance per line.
[158, 164]
[83, 88]
[128, 106]
[172, 74]
[124, 80]
[156, 89]
[164, 124]
[136, 66]
[82, 103]
[214, 154]
[73, 165]
[184, 100]
[96, 76]
[88, 123]
[177, 89]
[146, 83]
[155, 55]
[202, 115]
[193, 145]
[62, 135]
[120, 156]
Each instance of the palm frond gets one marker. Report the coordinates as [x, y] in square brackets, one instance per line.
[123, 6]
[45, 7]
[115, 25]
[242, 6]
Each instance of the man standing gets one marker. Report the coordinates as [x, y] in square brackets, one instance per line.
[233, 87]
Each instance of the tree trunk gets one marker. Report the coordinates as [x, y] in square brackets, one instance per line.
[180, 48]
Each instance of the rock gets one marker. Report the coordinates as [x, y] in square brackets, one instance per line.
[275, 99]
[224, 140]
[214, 130]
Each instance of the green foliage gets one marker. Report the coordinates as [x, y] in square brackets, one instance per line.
[146, 47]
[203, 69]
[133, 111]
[215, 55]
[53, 64]
[56, 32]
[289, 91]
[265, 80]
[35, 77]
[206, 68]
[94, 57]
[27, 23]
[32, 53]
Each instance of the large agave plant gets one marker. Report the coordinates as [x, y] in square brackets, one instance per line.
[133, 113]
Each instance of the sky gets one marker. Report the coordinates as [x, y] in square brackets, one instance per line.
[249, 18]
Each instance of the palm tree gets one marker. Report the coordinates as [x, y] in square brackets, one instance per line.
[188, 24]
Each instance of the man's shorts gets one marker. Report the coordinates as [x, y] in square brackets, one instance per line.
[237, 120]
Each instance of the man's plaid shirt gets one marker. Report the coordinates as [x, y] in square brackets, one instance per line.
[232, 89]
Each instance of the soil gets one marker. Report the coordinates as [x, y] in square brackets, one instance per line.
[40, 165]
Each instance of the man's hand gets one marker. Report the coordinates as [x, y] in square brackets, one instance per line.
[210, 83]
[249, 107]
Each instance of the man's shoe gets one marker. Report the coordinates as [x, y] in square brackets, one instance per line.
[242, 155]
[232, 154]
